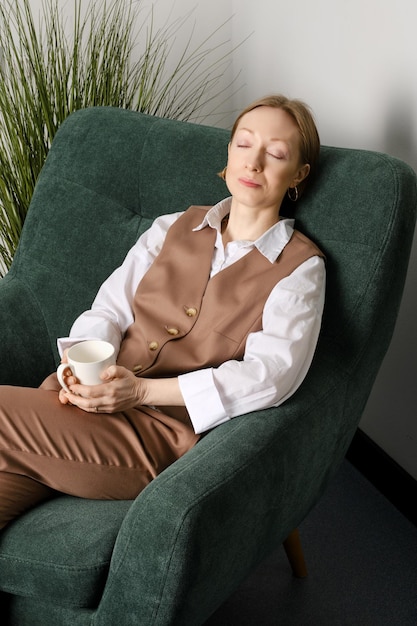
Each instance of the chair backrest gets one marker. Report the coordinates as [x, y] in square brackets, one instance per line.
[362, 212]
[110, 172]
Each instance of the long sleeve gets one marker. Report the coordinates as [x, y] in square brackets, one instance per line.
[276, 358]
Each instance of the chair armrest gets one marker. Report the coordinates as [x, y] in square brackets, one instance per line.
[197, 530]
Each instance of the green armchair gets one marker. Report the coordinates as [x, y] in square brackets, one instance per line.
[173, 555]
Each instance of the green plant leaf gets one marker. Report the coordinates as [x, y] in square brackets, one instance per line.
[112, 56]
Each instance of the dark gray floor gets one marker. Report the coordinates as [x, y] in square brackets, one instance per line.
[361, 554]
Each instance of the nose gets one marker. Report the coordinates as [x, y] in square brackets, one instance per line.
[254, 161]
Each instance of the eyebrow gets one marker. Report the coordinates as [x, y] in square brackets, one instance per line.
[248, 130]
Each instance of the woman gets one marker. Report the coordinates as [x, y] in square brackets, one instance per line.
[215, 312]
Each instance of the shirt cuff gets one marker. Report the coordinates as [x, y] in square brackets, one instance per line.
[202, 400]
[66, 342]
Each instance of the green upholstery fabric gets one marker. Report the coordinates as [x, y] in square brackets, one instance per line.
[174, 555]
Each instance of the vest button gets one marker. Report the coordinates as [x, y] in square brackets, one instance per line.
[137, 368]
[154, 345]
[191, 311]
[172, 331]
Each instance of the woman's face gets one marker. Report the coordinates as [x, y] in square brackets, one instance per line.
[264, 158]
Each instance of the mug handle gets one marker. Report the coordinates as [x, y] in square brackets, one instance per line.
[60, 374]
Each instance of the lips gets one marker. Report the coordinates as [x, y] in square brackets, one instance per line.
[249, 182]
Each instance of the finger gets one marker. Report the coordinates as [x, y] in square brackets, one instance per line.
[86, 391]
[91, 405]
[114, 371]
[109, 374]
[62, 396]
[69, 377]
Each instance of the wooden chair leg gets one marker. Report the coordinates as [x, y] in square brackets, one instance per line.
[294, 551]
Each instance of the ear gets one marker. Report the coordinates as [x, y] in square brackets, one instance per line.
[302, 173]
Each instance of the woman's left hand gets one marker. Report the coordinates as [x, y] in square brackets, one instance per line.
[121, 390]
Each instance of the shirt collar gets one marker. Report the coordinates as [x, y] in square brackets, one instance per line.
[270, 244]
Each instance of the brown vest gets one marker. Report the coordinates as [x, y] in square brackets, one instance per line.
[185, 320]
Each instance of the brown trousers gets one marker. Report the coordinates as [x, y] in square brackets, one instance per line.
[47, 447]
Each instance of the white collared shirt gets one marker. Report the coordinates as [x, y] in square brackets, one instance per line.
[276, 358]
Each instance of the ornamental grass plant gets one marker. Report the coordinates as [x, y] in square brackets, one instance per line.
[108, 53]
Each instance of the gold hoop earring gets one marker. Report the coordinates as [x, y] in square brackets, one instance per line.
[222, 174]
[293, 193]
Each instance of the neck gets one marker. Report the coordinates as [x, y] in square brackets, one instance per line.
[246, 225]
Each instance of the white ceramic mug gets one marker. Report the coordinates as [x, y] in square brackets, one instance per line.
[87, 360]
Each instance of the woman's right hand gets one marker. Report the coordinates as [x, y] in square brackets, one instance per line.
[69, 379]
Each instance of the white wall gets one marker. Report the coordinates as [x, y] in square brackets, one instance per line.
[355, 63]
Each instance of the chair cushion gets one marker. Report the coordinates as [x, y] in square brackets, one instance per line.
[61, 550]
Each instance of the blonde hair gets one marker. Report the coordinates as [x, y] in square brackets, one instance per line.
[303, 117]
